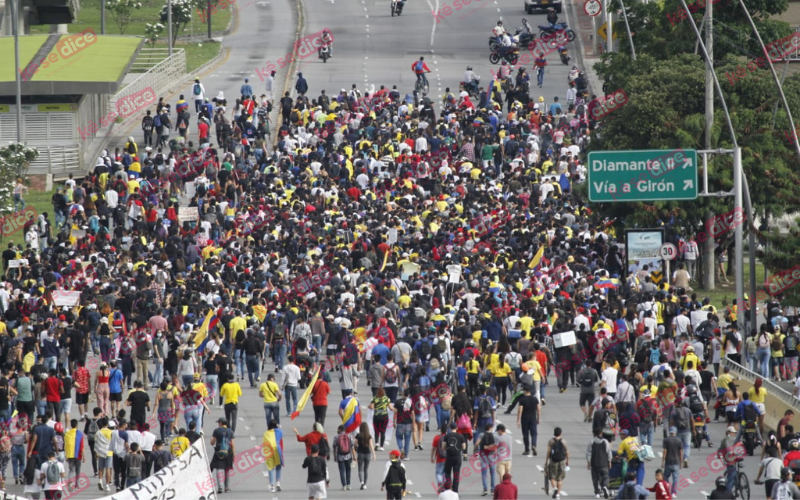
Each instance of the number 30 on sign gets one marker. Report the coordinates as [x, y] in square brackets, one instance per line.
[668, 251]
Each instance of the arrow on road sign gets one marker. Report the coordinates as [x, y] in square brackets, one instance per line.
[657, 276]
[688, 184]
[687, 162]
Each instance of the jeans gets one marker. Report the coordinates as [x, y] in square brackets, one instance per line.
[274, 475]
[488, 469]
[402, 434]
[686, 439]
[279, 355]
[18, 201]
[192, 414]
[51, 363]
[363, 467]
[158, 372]
[442, 416]
[272, 410]
[344, 471]
[212, 381]
[440, 473]
[540, 76]
[730, 476]
[18, 459]
[240, 361]
[639, 473]
[186, 380]
[421, 76]
[646, 434]
[762, 354]
[291, 398]
[252, 368]
[105, 346]
[672, 471]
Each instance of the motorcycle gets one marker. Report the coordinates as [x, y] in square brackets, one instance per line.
[397, 7]
[698, 421]
[573, 74]
[521, 37]
[548, 31]
[749, 437]
[471, 89]
[512, 56]
[562, 51]
[324, 53]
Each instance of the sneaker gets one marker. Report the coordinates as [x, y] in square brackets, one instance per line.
[563, 389]
[108, 488]
[534, 450]
[597, 495]
[710, 444]
[485, 493]
[363, 486]
[606, 494]
[526, 453]
[685, 464]
[674, 495]
[219, 491]
[348, 487]
[544, 403]
[344, 488]
[278, 487]
[420, 447]
[380, 448]
[271, 488]
[555, 494]
[100, 486]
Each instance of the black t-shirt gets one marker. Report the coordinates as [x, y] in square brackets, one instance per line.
[529, 406]
[705, 380]
[139, 400]
[8, 255]
[316, 469]
[28, 345]
[211, 366]
[67, 383]
[403, 415]
[192, 436]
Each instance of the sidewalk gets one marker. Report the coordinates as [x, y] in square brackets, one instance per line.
[587, 40]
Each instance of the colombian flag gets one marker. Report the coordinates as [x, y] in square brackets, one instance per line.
[73, 444]
[607, 283]
[621, 325]
[273, 448]
[306, 395]
[352, 415]
[536, 262]
[201, 336]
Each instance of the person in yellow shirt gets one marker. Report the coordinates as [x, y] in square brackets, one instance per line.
[473, 367]
[179, 444]
[690, 356]
[722, 387]
[629, 448]
[271, 393]
[757, 395]
[778, 370]
[231, 392]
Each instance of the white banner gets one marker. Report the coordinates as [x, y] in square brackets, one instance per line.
[175, 481]
[187, 214]
[64, 298]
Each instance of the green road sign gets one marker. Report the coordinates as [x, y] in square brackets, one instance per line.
[646, 175]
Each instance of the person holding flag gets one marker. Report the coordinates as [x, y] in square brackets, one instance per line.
[272, 449]
[350, 412]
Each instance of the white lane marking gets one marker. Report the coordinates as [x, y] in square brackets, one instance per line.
[540, 468]
[410, 482]
[252, 438]
[704, 493]
[660, 454]
[690, 481]
[518, 441]
[418, 495]
[433, 28]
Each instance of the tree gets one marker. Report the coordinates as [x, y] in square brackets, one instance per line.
[14, 162]
[121, 11]
[152, 33]
[181, 16]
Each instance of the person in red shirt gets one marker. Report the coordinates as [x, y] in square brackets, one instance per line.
[53, 388]
[661, 488]
[82, 382]
[202, 131]
[436, 457]
[506, 490]
[312, 438]
[319, 398]
[354, 193]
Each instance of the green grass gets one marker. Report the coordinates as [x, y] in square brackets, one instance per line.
[103, 61]
[728, 291]
[197, 54]
[28, 47]
[89, 17]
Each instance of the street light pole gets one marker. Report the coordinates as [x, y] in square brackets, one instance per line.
[15, 24]
[169, 26]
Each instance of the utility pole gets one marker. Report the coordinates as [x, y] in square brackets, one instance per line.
[169, 26]
[709, 262]
[15, 24]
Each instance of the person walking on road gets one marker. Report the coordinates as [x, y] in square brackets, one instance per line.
[671, 457]
[528, 417]
[598, 461]
[506, 490]
[394, 478]
[629, 448]
[557, 461]
[317, 472]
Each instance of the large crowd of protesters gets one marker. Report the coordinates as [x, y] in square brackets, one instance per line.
[449, 249]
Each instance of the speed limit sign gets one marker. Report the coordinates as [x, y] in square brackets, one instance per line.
[668, 251]
[592, 7]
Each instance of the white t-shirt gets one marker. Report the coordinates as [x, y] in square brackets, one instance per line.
[610, 378]
[47, 484]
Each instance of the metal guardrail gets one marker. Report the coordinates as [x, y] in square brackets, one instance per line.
[57, 160]
[159, 77]
[149, 57]
[773, 388]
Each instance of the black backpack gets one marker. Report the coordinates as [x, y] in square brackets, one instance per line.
[485, 408]
[696, 403]
[425, 349]
[448, 446]
[147, 123]
[587, 380]
[324, 448]
[750, 414]
[599, 454]
[558, 452]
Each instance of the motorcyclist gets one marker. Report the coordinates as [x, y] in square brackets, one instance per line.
[504, 71]
[721, 491]
[504, 43]
[552, 17]
[573, 74]
[420, 68]
[523, 80]
[471, 80]
[794, 452]
[747, 412]
[698, 407]
[327, 40]
[527, 26]
[399, 6]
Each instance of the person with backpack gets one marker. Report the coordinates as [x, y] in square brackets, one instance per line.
[224, 450]
[557, 461]
[763, 352]
[52, 477]
[453, 447]
[343, 453]
[785, 489]
[403, 422]
[147, 128]
[198, 92]
[790, 344]
[394, 478]
[487, 449]
[647, 409]
[747, 414]
[629, 449]
[588, 379]
[484, 411]
[630, 489]
[380, 418]
[598, 461]
[681, 418]
[316, 481]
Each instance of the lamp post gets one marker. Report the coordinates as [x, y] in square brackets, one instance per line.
[15, 25]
